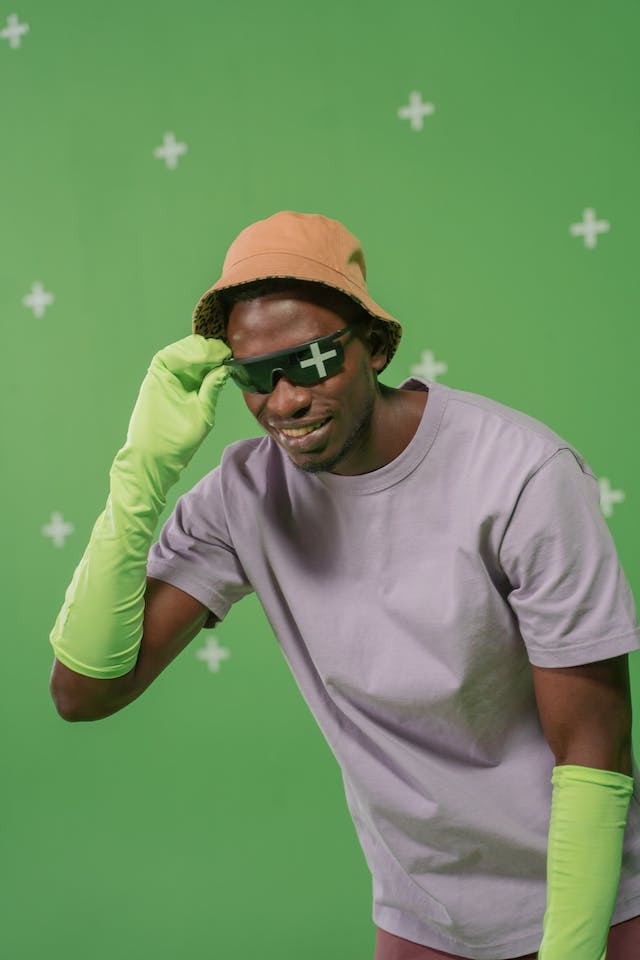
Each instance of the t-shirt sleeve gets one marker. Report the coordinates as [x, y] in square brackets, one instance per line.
[194, 550]
[569, 592]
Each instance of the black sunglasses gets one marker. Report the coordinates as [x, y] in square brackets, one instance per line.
[302, 365]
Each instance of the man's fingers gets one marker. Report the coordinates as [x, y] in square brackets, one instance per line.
[191, 358]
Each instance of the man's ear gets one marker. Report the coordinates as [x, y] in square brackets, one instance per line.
[378, 342]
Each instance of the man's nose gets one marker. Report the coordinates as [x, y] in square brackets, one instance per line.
[286, 396]
[276, 376]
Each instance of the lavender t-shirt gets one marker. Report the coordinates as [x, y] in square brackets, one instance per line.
[479, 551]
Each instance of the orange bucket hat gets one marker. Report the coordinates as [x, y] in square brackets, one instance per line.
[304, 246]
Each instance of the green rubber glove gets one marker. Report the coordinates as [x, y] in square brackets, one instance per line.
[589, 811]
[98, 630]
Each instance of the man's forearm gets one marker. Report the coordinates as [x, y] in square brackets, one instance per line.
[586, 832]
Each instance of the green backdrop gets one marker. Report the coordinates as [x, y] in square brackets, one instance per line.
[208, 818]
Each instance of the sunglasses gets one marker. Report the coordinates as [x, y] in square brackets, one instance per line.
[303, 365]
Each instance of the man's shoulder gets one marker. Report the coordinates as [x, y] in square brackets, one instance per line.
[510, 426]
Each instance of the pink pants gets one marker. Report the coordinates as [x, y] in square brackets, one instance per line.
[623, 944]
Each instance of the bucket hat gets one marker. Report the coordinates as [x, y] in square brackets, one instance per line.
[302, 246]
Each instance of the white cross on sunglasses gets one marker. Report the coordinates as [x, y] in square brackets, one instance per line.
[318, 359]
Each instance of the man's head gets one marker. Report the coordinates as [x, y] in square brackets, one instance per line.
[277, 314]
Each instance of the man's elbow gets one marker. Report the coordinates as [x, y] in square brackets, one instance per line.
[73, 714]
[78, 698]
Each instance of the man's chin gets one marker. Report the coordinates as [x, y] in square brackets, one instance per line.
[310, 465]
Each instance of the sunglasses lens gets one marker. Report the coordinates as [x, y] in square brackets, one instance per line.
[242, 377]
[265, 381]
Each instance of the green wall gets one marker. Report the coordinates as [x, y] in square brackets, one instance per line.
[207, 819]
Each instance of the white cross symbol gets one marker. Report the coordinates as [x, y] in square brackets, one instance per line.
[38, 299]
[416, 110]
[57, 529]
[14, 30]
[317, 359]
[609, 496]
[589, 228]
[170, 150]
[428, 368]
[213, 654]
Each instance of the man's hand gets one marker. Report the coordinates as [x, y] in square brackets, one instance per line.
[176, 405]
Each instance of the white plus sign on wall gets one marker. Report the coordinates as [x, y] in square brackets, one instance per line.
[38, 299]
[14, 31]
[170, 151]
[213, 654]
[609, 496]
[57, 529]
[589, 228]
[429, 368]
[416, 110]
[317, 359]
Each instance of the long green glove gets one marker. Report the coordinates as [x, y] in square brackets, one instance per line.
[589, 811]
[98, 630]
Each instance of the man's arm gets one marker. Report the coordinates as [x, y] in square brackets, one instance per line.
[172, 618]
[586, 716]
[586, 713]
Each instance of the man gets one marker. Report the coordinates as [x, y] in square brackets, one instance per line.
[441, 581]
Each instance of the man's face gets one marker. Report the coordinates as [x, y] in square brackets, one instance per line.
[350, 398]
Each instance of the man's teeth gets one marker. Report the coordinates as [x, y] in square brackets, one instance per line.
[303, 430]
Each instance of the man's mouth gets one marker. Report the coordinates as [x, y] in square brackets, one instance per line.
[305, 436]
[302, 431]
